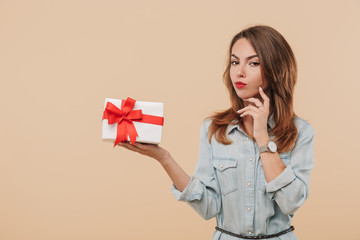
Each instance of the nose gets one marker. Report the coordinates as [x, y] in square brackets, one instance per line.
[240, 71]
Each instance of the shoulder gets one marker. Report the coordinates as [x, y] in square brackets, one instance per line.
[206, 122]
[205, 126]
[304, 128]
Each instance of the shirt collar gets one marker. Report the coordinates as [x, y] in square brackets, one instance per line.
[234, 124]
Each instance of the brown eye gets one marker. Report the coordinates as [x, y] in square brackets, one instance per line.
[255, 63]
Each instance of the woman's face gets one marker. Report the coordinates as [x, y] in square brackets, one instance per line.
[245, 71]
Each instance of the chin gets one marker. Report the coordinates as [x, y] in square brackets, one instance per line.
[243, 95]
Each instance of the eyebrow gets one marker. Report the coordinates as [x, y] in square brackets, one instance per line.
[249, 57]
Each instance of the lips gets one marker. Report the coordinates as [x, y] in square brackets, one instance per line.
[240, 84]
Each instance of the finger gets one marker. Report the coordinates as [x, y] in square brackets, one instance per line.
[121, 144]
[131, 147]
[247, 113]
[124, 145]
[250, 107]
[265, 97]
[256, 101]
[142, 146]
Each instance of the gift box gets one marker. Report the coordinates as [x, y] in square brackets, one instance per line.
[131, 120]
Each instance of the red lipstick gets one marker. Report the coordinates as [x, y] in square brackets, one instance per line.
[240, 84]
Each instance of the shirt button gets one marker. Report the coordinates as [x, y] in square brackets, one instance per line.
[247, 138]
[250, 233]
[249, 183]
[250, 159]
[221, 165]
[249, 209]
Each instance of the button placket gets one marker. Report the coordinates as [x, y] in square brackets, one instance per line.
[249, 182]
[251, 185]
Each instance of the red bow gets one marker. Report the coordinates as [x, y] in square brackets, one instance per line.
[125, 117]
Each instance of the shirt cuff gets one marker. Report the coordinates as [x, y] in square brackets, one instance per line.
[191, 191]
[285, 178]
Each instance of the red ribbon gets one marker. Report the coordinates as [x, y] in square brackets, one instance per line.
[124, 118]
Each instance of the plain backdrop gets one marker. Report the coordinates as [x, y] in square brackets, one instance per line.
[60, 59]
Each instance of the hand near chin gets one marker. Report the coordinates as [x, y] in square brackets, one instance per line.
[259, 112]
[147, 149]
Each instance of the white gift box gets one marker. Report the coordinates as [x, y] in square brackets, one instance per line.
[147, 133]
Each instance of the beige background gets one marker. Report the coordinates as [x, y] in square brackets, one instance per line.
[59, 59]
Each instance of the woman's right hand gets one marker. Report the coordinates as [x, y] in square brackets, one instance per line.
[147, 149]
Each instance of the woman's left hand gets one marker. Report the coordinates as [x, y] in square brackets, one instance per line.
[260, 114]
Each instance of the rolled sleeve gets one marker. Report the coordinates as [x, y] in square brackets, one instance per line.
[285, 178]
[291, 188]
[191, 192]
[202, 192]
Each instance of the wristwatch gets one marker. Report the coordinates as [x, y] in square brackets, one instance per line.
[269, 147]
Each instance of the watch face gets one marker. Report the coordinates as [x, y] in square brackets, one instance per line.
[272, 146]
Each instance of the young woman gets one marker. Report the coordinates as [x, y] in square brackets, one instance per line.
[255, 158]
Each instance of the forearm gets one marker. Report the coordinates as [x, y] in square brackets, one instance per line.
[288, 185]
[272, 164]
[200, 191]
[178, 176]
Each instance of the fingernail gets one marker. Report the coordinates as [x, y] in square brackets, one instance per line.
[260, 88]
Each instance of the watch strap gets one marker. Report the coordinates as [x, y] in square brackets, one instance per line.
[263, 148]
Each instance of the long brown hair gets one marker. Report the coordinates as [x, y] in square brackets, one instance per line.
[278, 66]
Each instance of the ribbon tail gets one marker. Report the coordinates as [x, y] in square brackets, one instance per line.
[132, 132]
[121, 135]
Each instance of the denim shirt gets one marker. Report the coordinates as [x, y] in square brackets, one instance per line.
[229, 183]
